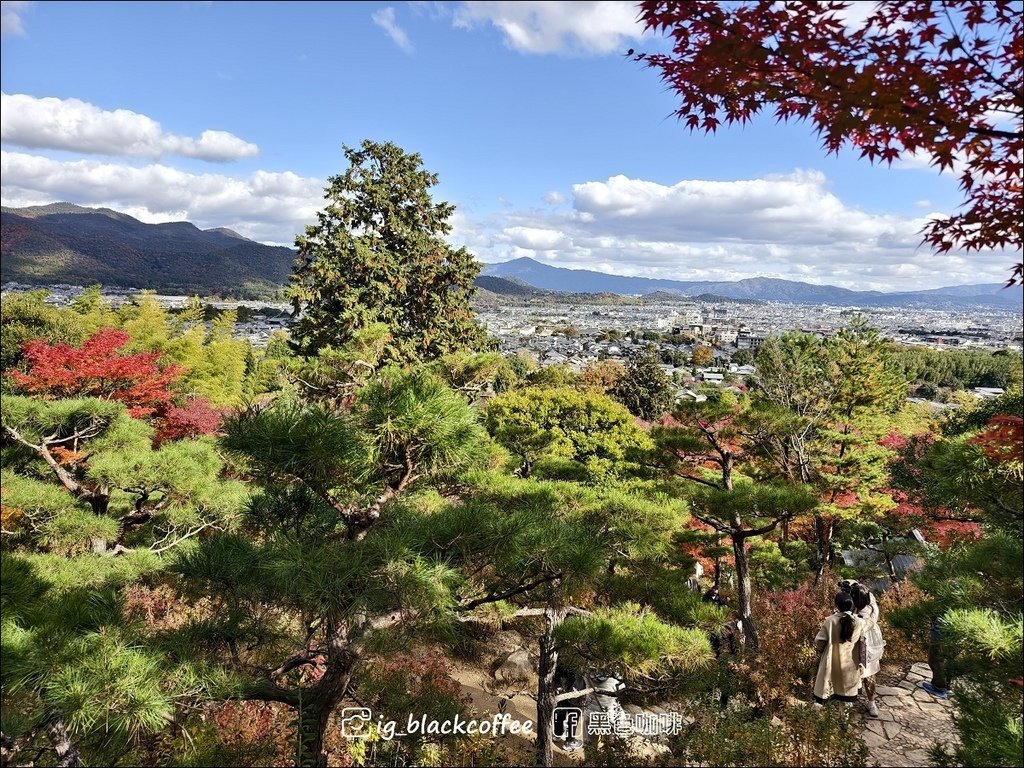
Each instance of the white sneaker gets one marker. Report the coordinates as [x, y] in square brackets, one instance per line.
[872, 709]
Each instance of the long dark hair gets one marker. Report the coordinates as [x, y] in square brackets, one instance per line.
[844, 603]
[861, 596]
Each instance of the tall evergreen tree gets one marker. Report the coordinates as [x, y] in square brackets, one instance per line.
[820, 411]
[377, 254]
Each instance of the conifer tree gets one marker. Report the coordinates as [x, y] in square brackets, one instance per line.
[708, 445]
[377, 254]
[821, 408]
[329, 559]
[645, 389]
[974, 587]
[584, 427]
[89, 510]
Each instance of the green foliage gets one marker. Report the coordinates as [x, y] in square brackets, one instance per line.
[770, 568]
[67, 651]
[991, 728]
[476, 373]
[27, 316]
[975, 589]
[378, 255]
[533, 423]
[964, 420]
[959, 368]
[414, 417]
[756, 504]
[645, 389]
[552, 377]
[103, 422]
[634, 641]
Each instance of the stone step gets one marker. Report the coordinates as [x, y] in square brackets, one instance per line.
[885, 690]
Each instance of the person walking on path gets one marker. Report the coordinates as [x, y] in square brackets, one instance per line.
[839, 673]
[871, 645]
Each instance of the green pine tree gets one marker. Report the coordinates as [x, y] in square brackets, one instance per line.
[377, 254]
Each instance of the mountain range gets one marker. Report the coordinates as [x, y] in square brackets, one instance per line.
[559, 279]
[67, 243]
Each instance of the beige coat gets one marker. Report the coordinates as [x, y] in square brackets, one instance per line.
[839, 674]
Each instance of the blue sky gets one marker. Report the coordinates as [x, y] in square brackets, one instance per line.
[550, 142]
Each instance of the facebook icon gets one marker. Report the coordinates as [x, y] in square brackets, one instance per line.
[566, 722]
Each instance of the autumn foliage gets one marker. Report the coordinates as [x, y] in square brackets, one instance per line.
[890, 79]
[98, 369]
[1002, 440]
[196, 418]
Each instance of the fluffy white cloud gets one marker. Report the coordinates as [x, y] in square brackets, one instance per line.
[77, 126]
[265, 206]
[10, 17]
[788, 226]
[385, 19]
[557, 27]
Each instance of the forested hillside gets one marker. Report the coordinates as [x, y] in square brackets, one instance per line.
[63, 243]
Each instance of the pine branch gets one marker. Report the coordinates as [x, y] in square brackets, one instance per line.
[493, 598]
[188, 535]
[42, 450]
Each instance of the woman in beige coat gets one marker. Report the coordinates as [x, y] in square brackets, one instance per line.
[839, 671]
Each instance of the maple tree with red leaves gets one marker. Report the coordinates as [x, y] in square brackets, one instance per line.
[944, 79]
[98, 369]
[197, 417]
[1002, 441]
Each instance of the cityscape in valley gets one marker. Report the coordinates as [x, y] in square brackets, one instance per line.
[573, 329]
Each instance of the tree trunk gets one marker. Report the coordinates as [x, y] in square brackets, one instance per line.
[67, 754]
[317, 704]
[743, 593]
[312, 729]
[823, 534]
[889, 564]
[546, 686]
[728, 460]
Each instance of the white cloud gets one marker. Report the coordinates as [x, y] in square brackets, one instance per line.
[557, 27]
[535, 239]
[10, 17]
[265, 206]
[77, 126]
[788, 226]
[554, 198]
[385, 19]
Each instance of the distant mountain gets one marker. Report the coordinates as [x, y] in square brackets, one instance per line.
[507, 286]
[757, 288]
[66, 243]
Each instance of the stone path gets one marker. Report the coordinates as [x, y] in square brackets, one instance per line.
[910, 720]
